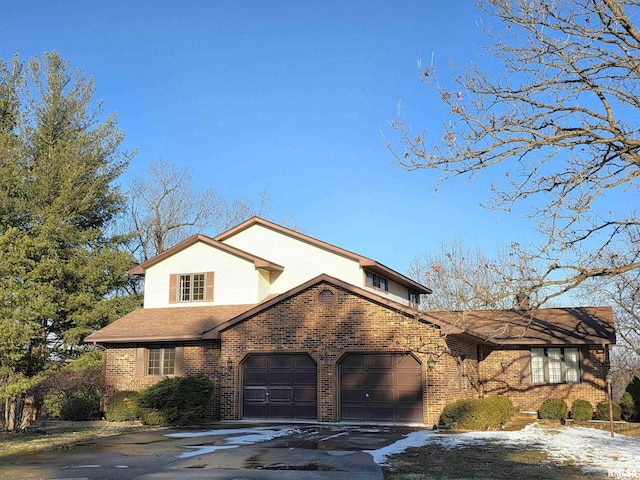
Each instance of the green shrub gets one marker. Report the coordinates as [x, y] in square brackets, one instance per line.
[628, 407]
[180, 400]
[553, 408]
[477, 414]
[602, 411]
[80, 408]
[122, 407]
[149, 416]
[634, 390]
[581, 410]
[504, 407]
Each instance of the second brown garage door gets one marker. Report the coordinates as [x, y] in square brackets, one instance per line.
[378, 387]
[279, 386]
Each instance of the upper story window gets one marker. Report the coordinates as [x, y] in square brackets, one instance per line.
[192, 287]
[555, 365]
[414, 298]
[376, 281]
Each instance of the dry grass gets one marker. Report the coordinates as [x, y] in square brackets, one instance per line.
[490, 461]
[21, 443]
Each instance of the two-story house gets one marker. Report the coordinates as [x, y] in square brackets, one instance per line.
[291, 327]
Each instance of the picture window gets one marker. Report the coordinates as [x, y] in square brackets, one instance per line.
[555, 365]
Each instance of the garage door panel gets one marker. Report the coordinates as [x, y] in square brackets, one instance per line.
[353, 378]
[380, 413]
[380, 378]
[410, 414]
[381, 395]
[255, 378]
[279, 386]
[354, 360]
[256, 361]
[353, 395]
[380, 361]
[354, 412]
[280, 361]
[255, 394]
[304, 378]
[408, 395]
[304, 394]
[280, 378]
[381, 388]
[304, 361]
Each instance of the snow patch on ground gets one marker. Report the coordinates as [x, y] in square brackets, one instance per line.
[593, 449]
[235, 438]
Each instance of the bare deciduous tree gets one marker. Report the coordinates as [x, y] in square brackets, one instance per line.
[465, 279]
[166, 208]
[555, 122]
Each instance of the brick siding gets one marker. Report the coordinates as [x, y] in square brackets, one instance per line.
[350, 324]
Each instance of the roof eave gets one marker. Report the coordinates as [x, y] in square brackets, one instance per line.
[141, 339]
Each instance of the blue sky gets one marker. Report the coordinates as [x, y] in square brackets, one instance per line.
[286, 97]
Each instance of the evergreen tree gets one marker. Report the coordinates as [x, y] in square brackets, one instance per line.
[62, 274]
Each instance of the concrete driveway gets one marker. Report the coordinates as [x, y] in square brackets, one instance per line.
[226, 451]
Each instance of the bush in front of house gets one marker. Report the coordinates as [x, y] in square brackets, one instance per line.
[80, 408]
[176, 401]
[628, 407]
[553, 409]
[602, 411]
[504, 407]
[122, 407]
[581, 410]
[72, 392]
[477, 413]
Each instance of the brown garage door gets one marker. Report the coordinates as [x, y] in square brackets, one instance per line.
[279, 386]
[380, 388]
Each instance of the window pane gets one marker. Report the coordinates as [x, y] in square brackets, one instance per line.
[168, 362]
[370, 279]
[555, 365]
[153, 362]
[383, 283]
[185, 288]
[572, 364]
[198, 287]
[537, 365]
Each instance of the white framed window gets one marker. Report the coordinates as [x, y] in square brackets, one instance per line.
[555, 365]
[191, 287]
[376, 281]
[414, 298]
[161, 361]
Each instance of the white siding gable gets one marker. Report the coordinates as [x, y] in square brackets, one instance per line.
[303, 261]
[235, 282]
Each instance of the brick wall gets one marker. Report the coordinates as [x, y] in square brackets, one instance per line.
[351, 324]
[119, 366]
[301, 324]
[502, 374]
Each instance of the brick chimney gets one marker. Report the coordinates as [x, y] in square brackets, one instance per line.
[522, 301]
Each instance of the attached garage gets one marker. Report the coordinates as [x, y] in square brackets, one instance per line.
[381, 387]
[282, 386]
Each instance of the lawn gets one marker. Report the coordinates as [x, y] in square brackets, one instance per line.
[61, 437]
[492, 460]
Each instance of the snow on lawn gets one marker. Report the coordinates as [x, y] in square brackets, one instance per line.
[594, 450]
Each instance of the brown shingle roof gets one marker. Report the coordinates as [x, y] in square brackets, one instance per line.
[559, 326]
[165, 324]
